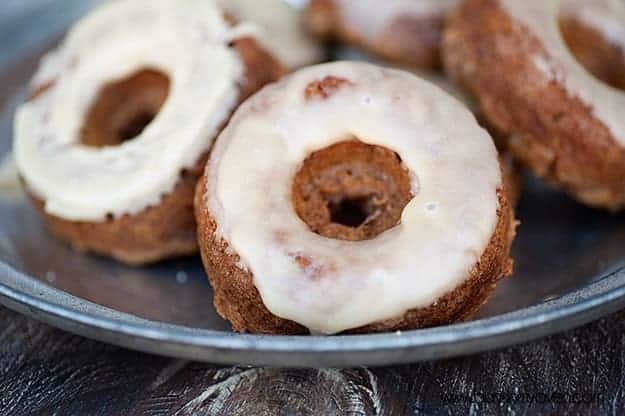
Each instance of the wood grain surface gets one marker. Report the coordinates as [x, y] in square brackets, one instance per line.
[44, 371]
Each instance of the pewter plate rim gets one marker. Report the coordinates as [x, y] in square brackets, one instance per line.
[35, 299]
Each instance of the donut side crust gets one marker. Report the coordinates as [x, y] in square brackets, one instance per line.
[407, 41]
[237, 299]
[552, 133]
[167, 229]
[512, 177]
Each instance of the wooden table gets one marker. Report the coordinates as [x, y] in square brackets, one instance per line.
[44, 371]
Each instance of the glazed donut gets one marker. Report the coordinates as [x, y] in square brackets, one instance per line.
[342, 199]
[557, 103]
[404, 31]
[121, 118]
[282, 31]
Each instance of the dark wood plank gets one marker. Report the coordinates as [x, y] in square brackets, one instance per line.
[44, 371]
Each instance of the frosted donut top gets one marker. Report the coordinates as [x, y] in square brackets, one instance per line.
[540, 17]
[185, 39]
[372, 17]
[282, 31]
[443, 231]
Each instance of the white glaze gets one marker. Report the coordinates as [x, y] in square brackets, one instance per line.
[540, 17]
[454, 166]
[186, 40]
[349, 53]
[370, 18]
[282, 32]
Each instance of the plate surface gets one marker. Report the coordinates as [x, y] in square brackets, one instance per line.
[569, 265]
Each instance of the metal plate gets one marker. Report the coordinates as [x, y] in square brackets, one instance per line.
[569, 265]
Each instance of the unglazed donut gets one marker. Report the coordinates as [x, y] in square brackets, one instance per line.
[342, 199]
[545, 72]
[282, 31]
[405, 31]
[121, 119]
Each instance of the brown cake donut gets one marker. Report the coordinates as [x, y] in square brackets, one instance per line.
[322, 221]
[407, 32]
[145, 228]
[546, 74]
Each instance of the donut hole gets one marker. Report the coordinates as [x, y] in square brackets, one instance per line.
[123, 109]
[135, 126]
[600, 57]
[351, 191]
[350, 212]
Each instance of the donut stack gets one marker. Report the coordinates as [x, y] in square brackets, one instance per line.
[343, 197]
